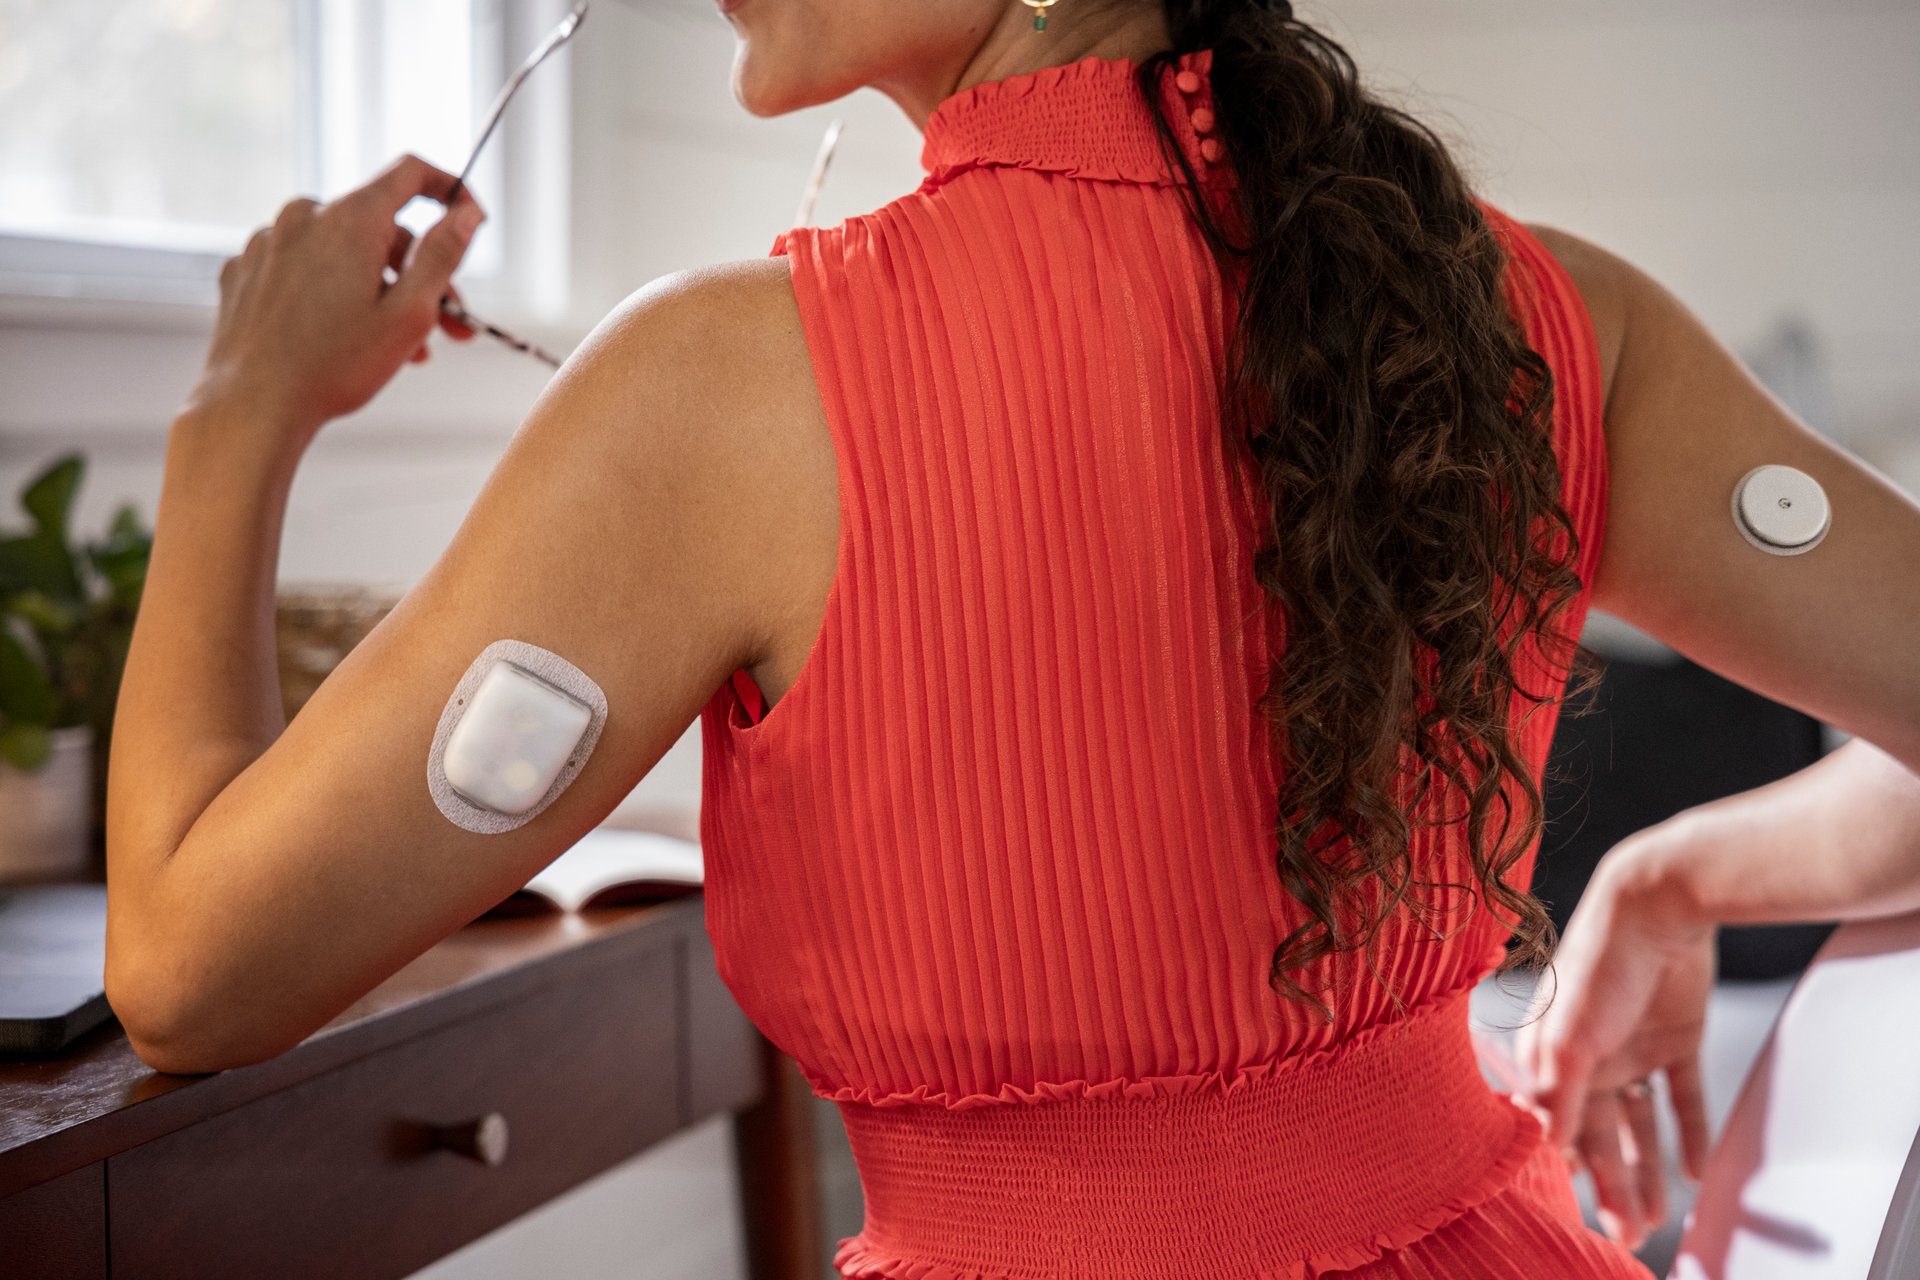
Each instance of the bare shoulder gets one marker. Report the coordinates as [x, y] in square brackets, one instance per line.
[723, 338]
[1606, 283]
[1827, 631]
[751, 291]
[714, 359]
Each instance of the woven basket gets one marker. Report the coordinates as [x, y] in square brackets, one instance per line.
[316, 625]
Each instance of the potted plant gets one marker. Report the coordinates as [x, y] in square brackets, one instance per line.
[66, 616]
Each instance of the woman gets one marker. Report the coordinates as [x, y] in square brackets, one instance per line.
[1114, 581]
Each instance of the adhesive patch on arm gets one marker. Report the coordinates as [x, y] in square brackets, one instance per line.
[516, 732]
[1781, 510]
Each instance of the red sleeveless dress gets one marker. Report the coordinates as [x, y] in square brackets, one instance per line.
[995, 871]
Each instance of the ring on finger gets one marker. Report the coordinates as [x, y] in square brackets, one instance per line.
[1637, 1090]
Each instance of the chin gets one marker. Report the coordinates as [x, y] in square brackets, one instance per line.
[768, 85]
[762, 95]
[790, 54]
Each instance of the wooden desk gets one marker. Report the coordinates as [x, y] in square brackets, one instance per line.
[586, 1038]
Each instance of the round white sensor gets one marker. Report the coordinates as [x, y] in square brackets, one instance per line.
[1781, 510]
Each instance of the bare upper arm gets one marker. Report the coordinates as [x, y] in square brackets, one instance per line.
[1831, 631]
[625, 528]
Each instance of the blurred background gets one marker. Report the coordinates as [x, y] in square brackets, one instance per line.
[1756, 156]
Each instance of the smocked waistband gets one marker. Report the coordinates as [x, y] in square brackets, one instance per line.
[1306, 1166]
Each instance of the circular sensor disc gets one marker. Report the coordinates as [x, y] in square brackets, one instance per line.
[1781, 510]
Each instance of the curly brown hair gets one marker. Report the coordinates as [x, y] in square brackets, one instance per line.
[1403, 429]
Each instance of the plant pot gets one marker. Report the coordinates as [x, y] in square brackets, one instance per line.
[46, 815]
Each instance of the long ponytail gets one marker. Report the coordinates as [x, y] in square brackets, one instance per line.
[1402, 427]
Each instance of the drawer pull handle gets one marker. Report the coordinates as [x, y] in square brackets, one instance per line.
[484, 1139]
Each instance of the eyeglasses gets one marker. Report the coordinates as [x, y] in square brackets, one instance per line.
[448, 307]
[818, 177]
[555, 38]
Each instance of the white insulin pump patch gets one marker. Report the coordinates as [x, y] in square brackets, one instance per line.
[517, 730]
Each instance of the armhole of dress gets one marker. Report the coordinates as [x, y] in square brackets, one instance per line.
[749, 694]
[1560, 327]
[752, 702]
[807, 249]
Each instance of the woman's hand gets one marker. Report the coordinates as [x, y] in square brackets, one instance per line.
[309, 326]
[1628, 991]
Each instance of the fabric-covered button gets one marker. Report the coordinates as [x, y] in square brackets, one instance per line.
[1202, 120]
[1212, 150]
[1188, 82]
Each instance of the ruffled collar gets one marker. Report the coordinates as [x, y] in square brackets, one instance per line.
[1086, 119]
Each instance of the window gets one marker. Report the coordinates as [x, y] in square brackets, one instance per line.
[142, 140]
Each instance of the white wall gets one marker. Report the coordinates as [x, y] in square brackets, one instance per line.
[1758, 156]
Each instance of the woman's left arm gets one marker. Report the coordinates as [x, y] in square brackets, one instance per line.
[261, 875]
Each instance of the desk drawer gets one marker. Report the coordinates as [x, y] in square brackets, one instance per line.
[345, 1174]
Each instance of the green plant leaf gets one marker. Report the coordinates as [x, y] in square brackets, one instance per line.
[121, 558]
[26, 695]
[38, 563]
[126, 525]
[47, 616]
[67, 609]
[25, 746]
[49, 497]
[125, 580]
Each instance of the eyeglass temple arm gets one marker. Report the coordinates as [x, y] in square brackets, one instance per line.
[555, 38]
[448, 307]
[454, 311]
[818, 177]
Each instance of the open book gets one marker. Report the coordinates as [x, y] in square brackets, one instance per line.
[608, 867]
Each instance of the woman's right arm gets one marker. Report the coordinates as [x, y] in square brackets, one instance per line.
[1838, 840]
[1832, 632]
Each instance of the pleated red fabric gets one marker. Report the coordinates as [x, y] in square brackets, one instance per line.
[996, 870]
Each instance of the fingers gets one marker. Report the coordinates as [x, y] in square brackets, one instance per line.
[1614, 1185]
[401, 181]
[1561, 1072]
[295, 211]
[428, 272]
[396, 261]
[397, 248]
[286, 225]
[236, 271]
[1644, 1163]
[1689, 1102]
[396, 257]
[450, 324]
[1526, 1057]
[420, 269]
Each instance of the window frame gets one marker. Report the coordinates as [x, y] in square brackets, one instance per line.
[522, 177]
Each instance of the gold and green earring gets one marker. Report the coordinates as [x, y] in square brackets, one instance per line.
[1040, 8]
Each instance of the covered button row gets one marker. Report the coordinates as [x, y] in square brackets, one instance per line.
[1188, 82]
